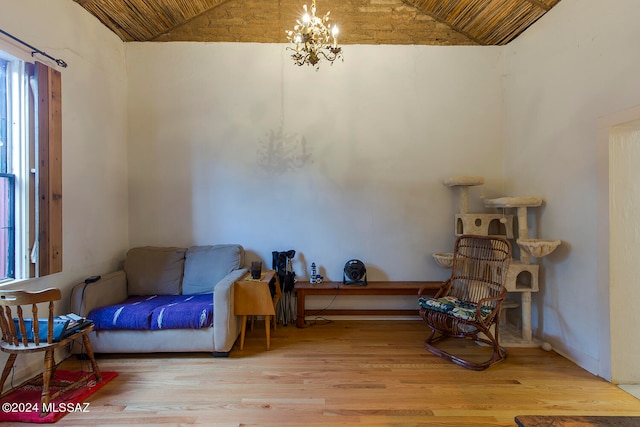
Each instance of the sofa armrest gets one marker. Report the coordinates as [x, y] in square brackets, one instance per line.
[110, 289]
[226, 325]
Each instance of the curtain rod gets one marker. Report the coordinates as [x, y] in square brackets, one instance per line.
[35, 50]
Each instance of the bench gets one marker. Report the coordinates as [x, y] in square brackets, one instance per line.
[372, 288]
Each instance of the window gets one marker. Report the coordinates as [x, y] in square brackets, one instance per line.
[30, 169]
[14, 112]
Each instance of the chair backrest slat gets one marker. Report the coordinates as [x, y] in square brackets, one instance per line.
[480, 265]
[8, 328]
[18, 299]
[36, 324]
[22, 327]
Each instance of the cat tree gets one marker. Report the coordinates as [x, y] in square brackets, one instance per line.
[522, 277]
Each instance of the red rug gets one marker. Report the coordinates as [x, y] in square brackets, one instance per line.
[23, 404]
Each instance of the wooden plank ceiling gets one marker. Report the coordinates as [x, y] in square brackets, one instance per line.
[441, 22]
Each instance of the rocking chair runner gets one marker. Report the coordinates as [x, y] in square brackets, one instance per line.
[17, 339]
[468, 303]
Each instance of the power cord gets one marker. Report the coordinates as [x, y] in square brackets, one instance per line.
[326, 321]
[87, 282]
[316, 322]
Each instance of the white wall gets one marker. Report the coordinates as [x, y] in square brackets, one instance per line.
[382, 129]
[94, 150]
[572, 67]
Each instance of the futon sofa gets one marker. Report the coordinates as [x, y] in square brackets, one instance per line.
[167, 299]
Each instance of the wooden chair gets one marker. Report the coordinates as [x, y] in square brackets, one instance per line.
[15, 341]
[468, 303]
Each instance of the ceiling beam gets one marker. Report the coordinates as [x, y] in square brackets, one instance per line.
[540, 5]
[186, 21]
[439, 19]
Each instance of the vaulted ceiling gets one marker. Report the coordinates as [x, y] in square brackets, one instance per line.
[423, 22]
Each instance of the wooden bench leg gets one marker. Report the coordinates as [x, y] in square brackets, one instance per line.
[300, 308]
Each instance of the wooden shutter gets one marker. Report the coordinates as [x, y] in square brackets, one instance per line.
[49, 137]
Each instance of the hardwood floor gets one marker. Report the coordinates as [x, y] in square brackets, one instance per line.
[363, 373]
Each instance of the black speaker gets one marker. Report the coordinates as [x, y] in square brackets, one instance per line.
[355, 273]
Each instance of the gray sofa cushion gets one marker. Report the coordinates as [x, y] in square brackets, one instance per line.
[154, 271]
[207, 265]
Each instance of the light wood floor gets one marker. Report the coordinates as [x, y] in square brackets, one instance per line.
[363, 373]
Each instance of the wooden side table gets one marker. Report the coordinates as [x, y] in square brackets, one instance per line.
[253, 297]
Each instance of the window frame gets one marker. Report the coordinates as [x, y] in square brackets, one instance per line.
[11, 225]
[42, 210]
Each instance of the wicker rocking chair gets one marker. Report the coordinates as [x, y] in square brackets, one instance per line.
[468, 303]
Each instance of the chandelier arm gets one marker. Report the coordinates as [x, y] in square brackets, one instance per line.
[324, 55]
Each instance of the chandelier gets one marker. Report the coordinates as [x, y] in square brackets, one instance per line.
[314, 39]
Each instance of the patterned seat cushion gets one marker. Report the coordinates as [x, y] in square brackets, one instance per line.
[133, 313]
[156, 312]
[454, 307]
[184, 312]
